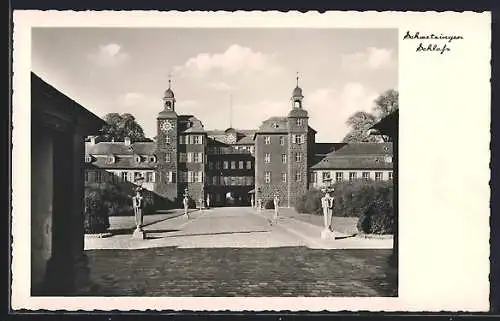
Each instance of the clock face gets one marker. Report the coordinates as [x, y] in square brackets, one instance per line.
[168, 104]
[231, 139]
[166, 126]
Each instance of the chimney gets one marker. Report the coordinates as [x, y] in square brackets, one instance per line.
[92, 140]
[127, 141]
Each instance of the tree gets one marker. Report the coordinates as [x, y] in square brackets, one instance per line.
[360, 122]
[118, 127]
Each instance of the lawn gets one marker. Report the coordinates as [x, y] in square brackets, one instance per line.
[345, 225]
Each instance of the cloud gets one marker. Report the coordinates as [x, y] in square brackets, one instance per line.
[109, 55]
[330, 107]
[222, 86]
[236, 59]
[371, 58]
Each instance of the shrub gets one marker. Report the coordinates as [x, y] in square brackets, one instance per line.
[378, 218]
[96, 218]
[269, 204]
[117, 197]
[310, 202]
[353, 198]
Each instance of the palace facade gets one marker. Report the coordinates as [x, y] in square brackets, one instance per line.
[232, 166]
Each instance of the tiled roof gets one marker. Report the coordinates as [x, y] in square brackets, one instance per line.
[274, 125]
[126, 162]
[245, 140]
[353, 162]
[365, 149]
[119, 148]
[353, 156]
[326, 148]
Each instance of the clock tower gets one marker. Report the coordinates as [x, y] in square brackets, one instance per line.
[166, 148]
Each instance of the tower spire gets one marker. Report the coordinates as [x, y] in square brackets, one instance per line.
[297, 79]
[169, 80]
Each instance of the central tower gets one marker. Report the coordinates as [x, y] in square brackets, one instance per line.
[166, 148]
[298, 147]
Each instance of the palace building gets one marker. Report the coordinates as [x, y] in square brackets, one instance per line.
[232, 166]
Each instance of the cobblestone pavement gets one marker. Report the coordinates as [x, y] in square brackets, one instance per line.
[232, 252]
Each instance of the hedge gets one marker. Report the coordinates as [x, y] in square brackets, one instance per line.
[117, 197]
[370, 201]
[96, 218]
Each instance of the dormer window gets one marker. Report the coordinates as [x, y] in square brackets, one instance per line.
[152, 159]
[388, 159]
[137, 159]
[88, 159]
[275, 125]
[111, 159]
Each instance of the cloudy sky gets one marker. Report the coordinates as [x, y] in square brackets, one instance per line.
[126, 70]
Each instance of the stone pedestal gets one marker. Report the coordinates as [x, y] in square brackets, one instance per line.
[326, 234]
[139, 234]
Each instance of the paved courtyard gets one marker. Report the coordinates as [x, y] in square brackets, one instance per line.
[237, 252]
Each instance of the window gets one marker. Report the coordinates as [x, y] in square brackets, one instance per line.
[249, 180]
[241, 164]
[390, 176]
[299, 121]
[282, 140]
[366, 175]
[226, 180]
[190, 157]
[283, 158]
[183, 177]
[252, 149]
[352, 176]
[226, 165]
[200, 177]
[168, 158]
[298, 157]
[214, 180]
[152, 159]
[86, 176]
[167, 139]
[196, 139]
[267, 158]
[149, 177]
[190, 177]
[267, 177]
[137, 175]
[283, 177]
[182, 157]
[378, 176]
[217, 165]
[313, 177]
[182, 140]
[198, 157]
[298, 139]
[172, 177]
[339, 176]
[325, 176]
[298, 176]
[267, 140]
[388, 159]
[233, 164]
[249, 164]
[137, 159]
[124, 176]
[110, 159]
[98, 177]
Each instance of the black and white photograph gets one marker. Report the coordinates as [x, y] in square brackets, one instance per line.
[226, 161]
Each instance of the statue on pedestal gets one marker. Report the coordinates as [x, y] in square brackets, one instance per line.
[138, 204]
[276, 201]
[327, 203]
[185, 202]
